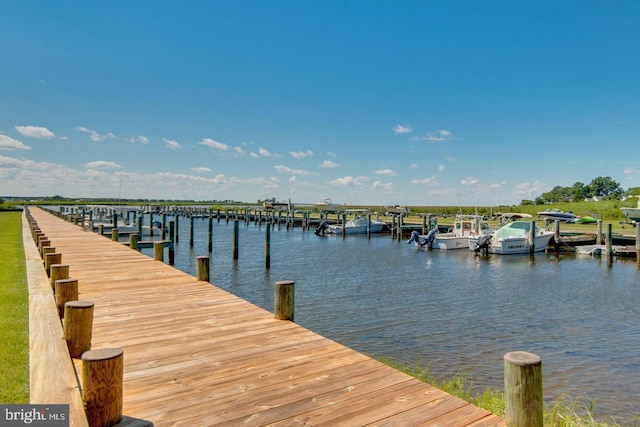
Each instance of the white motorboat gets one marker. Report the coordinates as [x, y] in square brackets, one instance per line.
[359, 224]
[556, 214]
[513, 238]
[325, 204]
[464, 227]
[632, 214]
[396, 209]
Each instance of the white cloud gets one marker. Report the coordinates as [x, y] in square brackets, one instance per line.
[211, 143]
[379, 185]
[286, 169]
[413, 166]
[264, 153]
[530, 188]
[450, 159]
[469, 181]
[441, 135]
[402, 129]
[328, 164]
[101, 164]
[385, 172]
[254, 155]
[239, 152]
[171, 144]
[201, 169]
[293, 179]
[35, 132]
[431, 182]
[95, 136]
[301, 154]
[139, 138]
[441, 167]
[7, 143]
[349, 180]
[630, 171]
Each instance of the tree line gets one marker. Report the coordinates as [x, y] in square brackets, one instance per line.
[604, 188]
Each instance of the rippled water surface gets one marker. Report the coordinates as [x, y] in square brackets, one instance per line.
[455, 311]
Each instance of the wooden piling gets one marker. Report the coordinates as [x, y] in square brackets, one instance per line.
[609, 242]
[102, 386]
[158, 251]
[50, 259]
[532, 237]
[191, 232]
[133, 241]
[599, 235]
[284, 300]
[114, 234]
[77, 326]
[57, 272]
[236, 238]
[267, 247]
[65, 290]
[46, 251]
[556, 234]
[523, 389]
[202, 268]
[210, 234]
[638, 243]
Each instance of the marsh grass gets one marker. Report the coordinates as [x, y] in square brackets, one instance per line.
[563, 413]
[14, 317]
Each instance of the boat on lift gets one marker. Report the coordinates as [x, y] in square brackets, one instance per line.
[557, 214]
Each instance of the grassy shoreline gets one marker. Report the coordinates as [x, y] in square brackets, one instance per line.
[14, 321]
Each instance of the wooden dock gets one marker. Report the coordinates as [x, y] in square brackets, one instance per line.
[196, 355]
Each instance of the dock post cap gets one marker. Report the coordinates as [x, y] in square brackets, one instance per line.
[522, 358]
[101, 354]
[285, 282]
[79, 304]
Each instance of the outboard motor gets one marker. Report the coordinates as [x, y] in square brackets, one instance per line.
[431, 236]
[482, 244]
[427, 240]
[156, 224]
[321, 229]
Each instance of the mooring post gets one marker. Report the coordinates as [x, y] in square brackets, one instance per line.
[236, 238]
[158, 251]
[46, 251]
[556, 234]
[203, 268]
[267, 247]
[638, 243]
[57, 272]
[284, 300]
[609, 241]
[344, 225]
[102, 386]
[65, 290]
[114, 234]
[43, 244]
[191, 231]
[77, 326]
[368, 226]
[532, 237]
[424, 223]
[51, 259]
[133, 241]
[177, 228]
[599, 235]
[523, 389]
[210, 234]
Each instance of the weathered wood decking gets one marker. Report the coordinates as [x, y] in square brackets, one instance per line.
[195, 355]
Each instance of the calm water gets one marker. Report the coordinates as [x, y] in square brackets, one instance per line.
[457, 312]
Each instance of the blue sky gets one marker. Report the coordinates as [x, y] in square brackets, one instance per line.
[366, 102]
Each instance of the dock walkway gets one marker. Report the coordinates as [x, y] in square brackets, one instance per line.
[196, 355]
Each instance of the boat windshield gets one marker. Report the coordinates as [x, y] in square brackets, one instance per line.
[514, 229]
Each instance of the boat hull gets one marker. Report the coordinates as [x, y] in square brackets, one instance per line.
[632, 214]
[450, 242]
[357, 229]
[519, 245]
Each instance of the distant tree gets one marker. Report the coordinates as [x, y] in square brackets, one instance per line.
[633, 191]
[526, 202]
[580, 191]
[540, 200]
[1, 201]
[606, 187]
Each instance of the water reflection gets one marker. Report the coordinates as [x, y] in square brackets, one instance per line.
[454, 310]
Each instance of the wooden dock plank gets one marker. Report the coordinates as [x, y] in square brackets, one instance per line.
[196, 355]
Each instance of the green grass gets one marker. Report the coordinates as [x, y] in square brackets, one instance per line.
[562, 413]
[14, 317]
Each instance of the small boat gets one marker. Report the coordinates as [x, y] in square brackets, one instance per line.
[585, 220]
[632, 214]
[396, 209]
[513, 238]
[325, 204]
[464, 227]
[278, 206]
[556, 214]
[359, 224]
